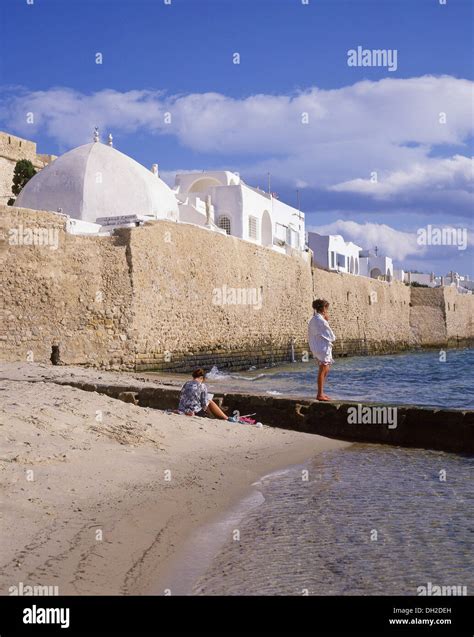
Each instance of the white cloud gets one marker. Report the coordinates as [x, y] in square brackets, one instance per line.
[393, 243]
[69, 116]
[398, 244]
[454, 173]
[389, 111]
[389, 126]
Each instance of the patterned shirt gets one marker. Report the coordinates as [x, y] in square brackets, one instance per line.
[193, 397]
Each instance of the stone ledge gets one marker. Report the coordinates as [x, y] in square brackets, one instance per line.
[420, 427]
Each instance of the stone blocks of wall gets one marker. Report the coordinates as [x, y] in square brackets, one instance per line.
[459, 312]
[205, 298]
[62, 289]
[12, 149]
[427, 317]
[148, 298]
[441, 317]
[422, 427]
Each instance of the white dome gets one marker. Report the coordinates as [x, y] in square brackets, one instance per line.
[96, 180]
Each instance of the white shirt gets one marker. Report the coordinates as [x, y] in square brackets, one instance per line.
[321, 338]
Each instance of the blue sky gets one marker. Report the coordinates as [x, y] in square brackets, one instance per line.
[178, 58]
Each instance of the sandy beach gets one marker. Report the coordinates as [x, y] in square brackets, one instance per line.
[99, 495]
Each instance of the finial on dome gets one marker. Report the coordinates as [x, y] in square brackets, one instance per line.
[154, 170]
[110, 140]
[96, 134]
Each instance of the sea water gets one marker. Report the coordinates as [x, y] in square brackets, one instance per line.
[363, 520]
[432, 378]
[366, 519]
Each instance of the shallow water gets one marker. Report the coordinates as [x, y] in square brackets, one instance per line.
[370, 520]
[421, 378]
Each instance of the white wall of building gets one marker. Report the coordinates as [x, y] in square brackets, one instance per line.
[77, 226]
[248, 213]
[202, 181]
[333, 253]
[375, 266]
[422, 279]
[293, 219]
[399, 274]
[460, 282]
[319, 244]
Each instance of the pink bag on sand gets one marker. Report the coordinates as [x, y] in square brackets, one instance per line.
[245, 420]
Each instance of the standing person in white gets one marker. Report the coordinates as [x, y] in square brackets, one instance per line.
[321, 338]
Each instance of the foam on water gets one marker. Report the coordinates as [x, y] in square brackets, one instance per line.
[215, 374]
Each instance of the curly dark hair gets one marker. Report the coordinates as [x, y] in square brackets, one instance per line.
[198, 373]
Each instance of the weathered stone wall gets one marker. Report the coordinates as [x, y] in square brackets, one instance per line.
[6, 177]
[459, 310]
[12, 149]
[367, 316]
[148, 298]
[427, 317]
[441, 317]
[184, 279]
[78, 294]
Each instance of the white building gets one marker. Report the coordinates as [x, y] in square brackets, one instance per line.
[461, 282]
[399, 274]
[465, 283]
[222, 200]
[375, 266]
[457, 280]
[99, 187]
[333, 253]
[430, 280]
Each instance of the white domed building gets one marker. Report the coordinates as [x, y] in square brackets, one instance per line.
[101, 187]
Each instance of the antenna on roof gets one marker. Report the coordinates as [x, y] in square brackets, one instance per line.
[110, 140]
[96, 134]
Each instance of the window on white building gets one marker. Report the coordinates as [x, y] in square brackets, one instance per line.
[333, 259]
[280, 234]
[341, 260]
[292, 237]
[253, 227]
[280, 230]
[224, 223]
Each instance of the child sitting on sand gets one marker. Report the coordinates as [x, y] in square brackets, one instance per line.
[194, 401]
[321, 338]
